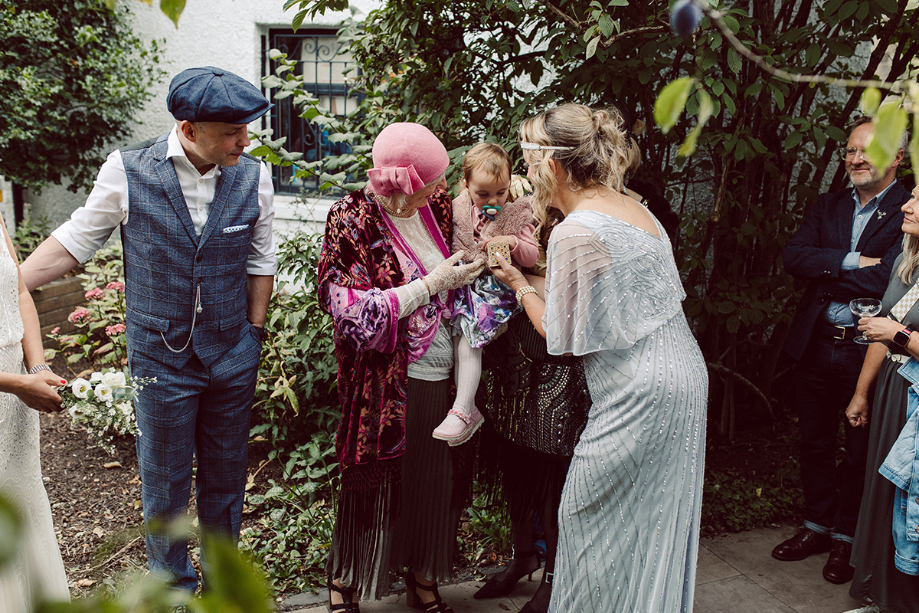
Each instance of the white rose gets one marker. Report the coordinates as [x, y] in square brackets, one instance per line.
[80, 388]
[96, 376]
[114, 379]
[103, 392]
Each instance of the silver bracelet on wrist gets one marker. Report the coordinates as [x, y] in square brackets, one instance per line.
[523, 291]
[39, 367]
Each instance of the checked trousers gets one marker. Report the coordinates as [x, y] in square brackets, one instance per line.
[201, 413]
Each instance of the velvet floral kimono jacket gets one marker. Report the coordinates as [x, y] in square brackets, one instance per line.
[362, 255]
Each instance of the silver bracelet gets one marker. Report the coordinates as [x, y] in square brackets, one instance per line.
[523, 291]
[39, 367]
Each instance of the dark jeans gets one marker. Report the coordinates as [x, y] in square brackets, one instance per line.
[825, 379]
[203, 412]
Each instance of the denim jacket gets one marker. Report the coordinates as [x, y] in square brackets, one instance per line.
[902, 469]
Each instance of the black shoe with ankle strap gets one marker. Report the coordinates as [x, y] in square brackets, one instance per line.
[413, 600]
[347, 593]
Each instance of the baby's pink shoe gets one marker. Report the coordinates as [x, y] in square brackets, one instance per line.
[457, 427]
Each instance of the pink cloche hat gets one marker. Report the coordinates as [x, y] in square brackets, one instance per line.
[406, 157]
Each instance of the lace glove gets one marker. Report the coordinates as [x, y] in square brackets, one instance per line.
[447, 276]
[519, 188]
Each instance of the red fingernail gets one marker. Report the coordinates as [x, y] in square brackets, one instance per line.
[63, 382]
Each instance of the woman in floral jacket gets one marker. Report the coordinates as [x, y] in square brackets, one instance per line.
[387, 279]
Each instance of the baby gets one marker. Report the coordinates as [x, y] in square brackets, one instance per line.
[485, 212]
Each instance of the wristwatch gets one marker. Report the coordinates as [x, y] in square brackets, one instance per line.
[262, 333]
[901, 338]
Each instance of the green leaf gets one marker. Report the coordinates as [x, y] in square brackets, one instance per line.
[888, 6]
[671, 102]
[848, 9]
[884, 144]
[871, 100]
[812, 55]
[172, 9]
[592, 47]
[705, 112]
[734, 62]
[793, 140]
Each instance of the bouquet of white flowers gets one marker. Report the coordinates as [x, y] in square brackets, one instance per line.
[104, 405]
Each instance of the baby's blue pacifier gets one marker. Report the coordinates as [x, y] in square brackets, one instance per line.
[491, 210]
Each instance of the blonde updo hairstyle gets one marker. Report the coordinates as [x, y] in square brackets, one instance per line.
[599, 154]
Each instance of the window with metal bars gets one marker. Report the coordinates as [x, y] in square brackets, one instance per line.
[322, 61]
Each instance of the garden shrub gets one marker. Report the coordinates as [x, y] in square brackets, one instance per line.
[100, 335]
[296, 411]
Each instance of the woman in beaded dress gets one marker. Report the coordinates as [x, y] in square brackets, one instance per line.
[387, 279]
[36, 573]
[877, 579]
[630, 508]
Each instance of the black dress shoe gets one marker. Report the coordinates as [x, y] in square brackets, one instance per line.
[837, 569]
[802, 545]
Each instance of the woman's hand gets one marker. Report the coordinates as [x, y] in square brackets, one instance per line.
[509, 275]
[879, 329]
[39, 391]
[447, 276]
[857, 412]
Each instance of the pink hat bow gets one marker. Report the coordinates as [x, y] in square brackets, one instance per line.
[389, 179]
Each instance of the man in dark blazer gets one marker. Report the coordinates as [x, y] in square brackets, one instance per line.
[844, 249]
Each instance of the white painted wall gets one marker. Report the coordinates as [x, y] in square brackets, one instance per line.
[222, 33]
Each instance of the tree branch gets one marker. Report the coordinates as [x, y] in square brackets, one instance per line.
[571, 21]
[645, 30]
[736, 376]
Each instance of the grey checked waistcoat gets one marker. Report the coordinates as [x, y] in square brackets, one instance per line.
[167, 265]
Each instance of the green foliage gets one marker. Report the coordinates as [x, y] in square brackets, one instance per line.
[292, 537]
[100, 336]
[297, 412]
[296, 405]
[73, 78]
[288, 81]
[733, 503]
[30, 233]
[488, 528]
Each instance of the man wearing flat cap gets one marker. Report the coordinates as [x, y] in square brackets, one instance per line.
[195, 216]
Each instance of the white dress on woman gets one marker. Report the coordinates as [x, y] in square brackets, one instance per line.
[37, 571]
[629, 515]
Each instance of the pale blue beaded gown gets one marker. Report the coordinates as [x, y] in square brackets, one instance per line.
[37, 572]
[629, 516]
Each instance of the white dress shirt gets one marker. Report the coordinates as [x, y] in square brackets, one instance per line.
[107, 207]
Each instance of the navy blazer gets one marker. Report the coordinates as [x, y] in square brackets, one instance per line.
[815, 253]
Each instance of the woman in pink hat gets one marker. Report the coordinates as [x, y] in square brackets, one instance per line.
[387, 278]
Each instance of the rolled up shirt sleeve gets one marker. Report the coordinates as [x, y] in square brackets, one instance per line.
[104, 210]
[263, 259]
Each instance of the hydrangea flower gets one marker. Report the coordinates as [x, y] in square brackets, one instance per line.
[79, 315]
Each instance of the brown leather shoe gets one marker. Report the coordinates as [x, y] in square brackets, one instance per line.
[802, 545]
[837, 569]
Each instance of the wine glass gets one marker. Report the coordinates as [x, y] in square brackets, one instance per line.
[864, 307]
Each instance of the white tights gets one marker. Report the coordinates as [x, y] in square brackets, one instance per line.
[468, 369]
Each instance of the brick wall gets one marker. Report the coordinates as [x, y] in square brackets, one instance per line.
[55, 301]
